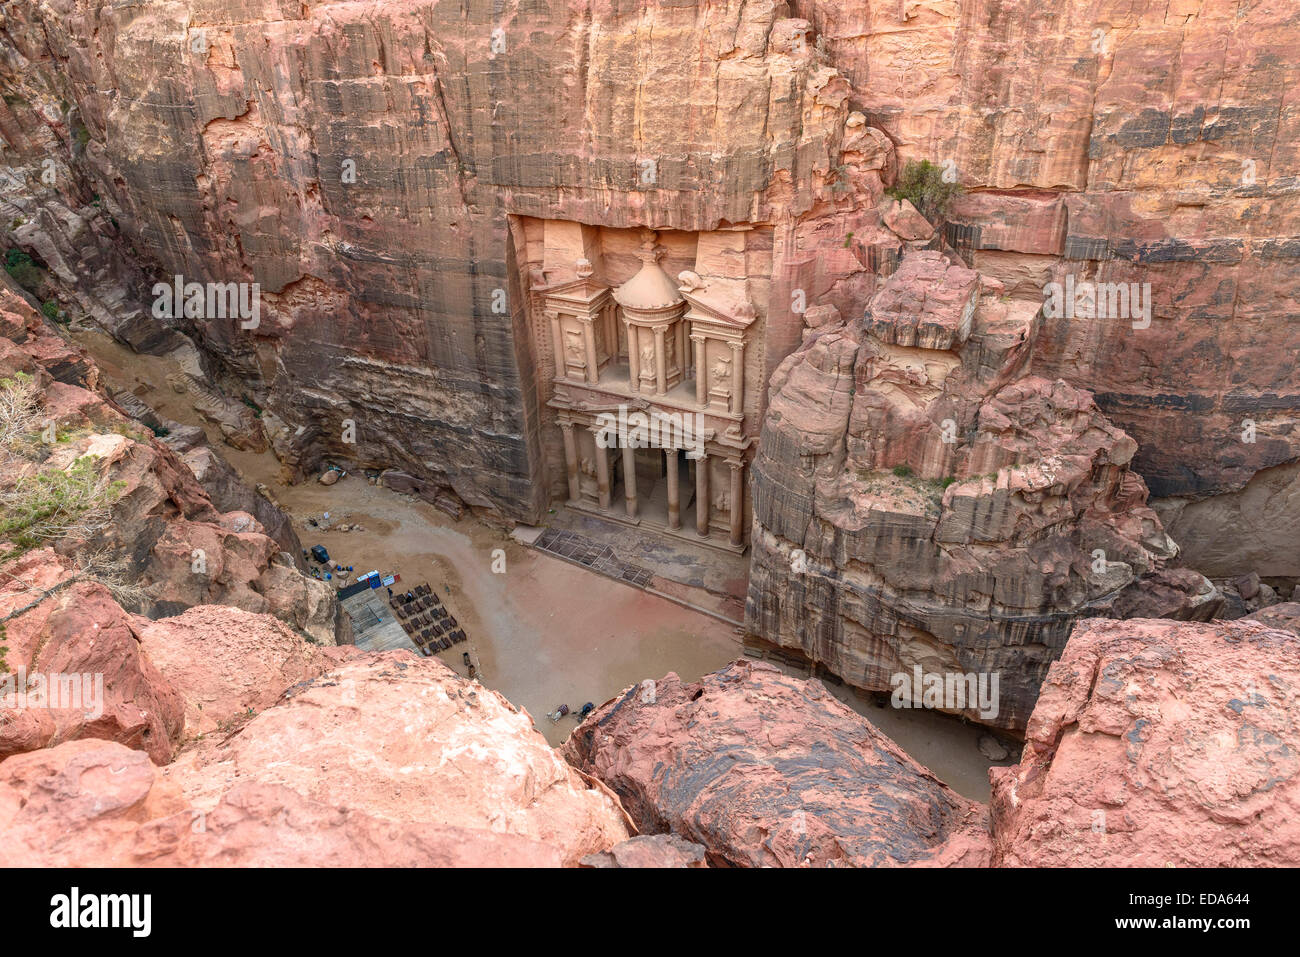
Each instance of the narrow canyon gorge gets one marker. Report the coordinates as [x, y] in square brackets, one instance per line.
[647, 434]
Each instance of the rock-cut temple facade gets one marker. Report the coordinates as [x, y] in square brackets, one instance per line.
[650, 368]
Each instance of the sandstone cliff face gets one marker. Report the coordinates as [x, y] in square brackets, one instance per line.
[768, 770]
[1123, 142]
[921, 501]
[1157, 743]
[1099, 139]
[162, 535]
[362, 164]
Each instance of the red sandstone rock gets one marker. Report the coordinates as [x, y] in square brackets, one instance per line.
[176, 545]
[391, 760]
[649, 850]
[1159, 743]
[227, 663]
[768, 770]
[93, 803]
[1284, 616]
[405, 739]
[73, 634]
[903, 218]
[921, 500]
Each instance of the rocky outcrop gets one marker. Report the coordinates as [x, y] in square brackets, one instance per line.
[95, 803]
[389, 760]
[73, 668]
[227, 664]
[921, 501]
[161, 532]
[230, 493]
[768, 770]
[1284, 616]
[1159, 743]
[649, 850]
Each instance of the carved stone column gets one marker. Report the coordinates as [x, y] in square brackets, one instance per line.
[661, 362]
[701, 373]
[557, 343]
[674, 499]
[737, 502]
[602, 474]
[681, 347]
[737, 378]
[633, 358]
[589, 337]
[702, 496]
[629, 479]
[571, 460]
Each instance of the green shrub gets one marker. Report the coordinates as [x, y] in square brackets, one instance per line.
[50, 308]
[24, 269]
[922, 185]
[902, 471]
[53, 503]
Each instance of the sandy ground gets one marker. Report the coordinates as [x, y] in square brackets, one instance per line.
[544, 632]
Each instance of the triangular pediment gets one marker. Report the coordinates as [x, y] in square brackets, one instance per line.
[724, 305]
[581, 289]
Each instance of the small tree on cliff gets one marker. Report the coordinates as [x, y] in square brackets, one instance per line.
[922, 184]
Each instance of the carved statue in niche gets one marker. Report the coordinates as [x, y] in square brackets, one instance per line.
[722, 501]
[573, 346]
[647, 362]
[721, 372]
[587, 476]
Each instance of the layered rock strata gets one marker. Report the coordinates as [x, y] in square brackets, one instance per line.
[921, 501]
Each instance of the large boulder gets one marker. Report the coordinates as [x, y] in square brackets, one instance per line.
[390, 760]
[768, 770]
[405, 739]
[1159, 743]
[97, 803]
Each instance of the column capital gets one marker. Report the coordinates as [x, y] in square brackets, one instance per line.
[735, 464]
[735, 344]
[660, 328]
[699, 337]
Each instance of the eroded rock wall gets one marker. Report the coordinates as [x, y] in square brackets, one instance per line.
[361, 164]
[923, 501]
[161, 541]
[1096, 138]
